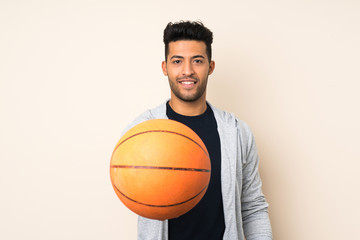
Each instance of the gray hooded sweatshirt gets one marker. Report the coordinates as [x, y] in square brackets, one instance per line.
[245, 207]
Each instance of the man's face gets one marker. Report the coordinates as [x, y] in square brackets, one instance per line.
[187, 68]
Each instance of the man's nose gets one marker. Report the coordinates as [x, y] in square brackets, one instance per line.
[187, 69]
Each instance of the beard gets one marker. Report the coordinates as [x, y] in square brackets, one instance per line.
[188, 97]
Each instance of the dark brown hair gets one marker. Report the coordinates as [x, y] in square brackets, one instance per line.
[187, 30]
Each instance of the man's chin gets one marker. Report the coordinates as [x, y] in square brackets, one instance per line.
[188, 99]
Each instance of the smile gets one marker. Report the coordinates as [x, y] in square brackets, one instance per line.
[187, 84]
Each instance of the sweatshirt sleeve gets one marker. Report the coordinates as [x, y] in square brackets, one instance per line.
[256, 222]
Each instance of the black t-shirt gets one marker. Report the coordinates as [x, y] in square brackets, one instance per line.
[206, 219]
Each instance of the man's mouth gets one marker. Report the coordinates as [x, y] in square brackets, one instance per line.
[187, 84]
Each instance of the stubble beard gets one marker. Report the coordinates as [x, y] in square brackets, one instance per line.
[200, 91]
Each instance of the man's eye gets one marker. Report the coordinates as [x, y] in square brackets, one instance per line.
[198, 61]
[176, 61]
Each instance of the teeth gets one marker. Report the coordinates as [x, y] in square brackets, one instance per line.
[187, 82]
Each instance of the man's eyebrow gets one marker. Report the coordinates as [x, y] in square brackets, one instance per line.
[176, 56]
[196, 56]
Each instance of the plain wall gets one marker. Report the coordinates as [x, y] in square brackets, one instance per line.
[73, 74]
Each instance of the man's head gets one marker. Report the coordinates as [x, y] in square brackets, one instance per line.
[187, 30]
[187, 64]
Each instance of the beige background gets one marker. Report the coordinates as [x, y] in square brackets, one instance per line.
[73, 74]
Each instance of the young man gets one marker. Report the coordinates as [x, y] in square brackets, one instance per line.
[233, 206]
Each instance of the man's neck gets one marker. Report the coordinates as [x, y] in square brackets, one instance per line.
[188, 108]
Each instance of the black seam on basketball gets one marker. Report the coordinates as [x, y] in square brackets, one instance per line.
[169, 205]
[161, 168]
[165, 131]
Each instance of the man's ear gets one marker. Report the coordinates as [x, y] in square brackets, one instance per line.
[211, 67]
[163, 66]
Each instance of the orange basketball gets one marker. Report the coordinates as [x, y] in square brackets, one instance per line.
[160, 169]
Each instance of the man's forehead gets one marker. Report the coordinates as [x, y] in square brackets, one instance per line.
[188, 47]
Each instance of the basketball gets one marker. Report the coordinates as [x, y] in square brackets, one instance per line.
[160, 169]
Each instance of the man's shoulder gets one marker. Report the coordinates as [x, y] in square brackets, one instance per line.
[154, 113]
[229, 119]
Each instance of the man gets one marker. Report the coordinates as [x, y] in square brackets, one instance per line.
[233, 206]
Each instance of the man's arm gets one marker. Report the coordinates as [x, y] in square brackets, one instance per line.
[254, 207]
